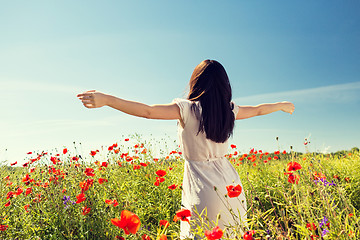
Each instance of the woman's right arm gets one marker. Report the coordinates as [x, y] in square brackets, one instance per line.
[94, 99]
[263, 109]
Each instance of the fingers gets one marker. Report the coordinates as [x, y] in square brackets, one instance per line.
[87, 93]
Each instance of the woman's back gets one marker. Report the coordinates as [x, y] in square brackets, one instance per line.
[195, 145]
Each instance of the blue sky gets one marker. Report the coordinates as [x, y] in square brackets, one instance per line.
[307, 52]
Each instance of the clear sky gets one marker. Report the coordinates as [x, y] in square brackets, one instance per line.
[307, 52]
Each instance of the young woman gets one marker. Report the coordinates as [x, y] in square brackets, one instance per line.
[206, 121]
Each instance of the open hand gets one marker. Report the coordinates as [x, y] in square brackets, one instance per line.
[287, 107]
[92, 99]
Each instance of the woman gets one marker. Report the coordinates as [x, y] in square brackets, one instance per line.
[206, 121]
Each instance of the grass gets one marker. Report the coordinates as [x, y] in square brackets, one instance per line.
[319, 201]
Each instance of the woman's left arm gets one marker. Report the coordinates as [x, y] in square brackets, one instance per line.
[94, 99]
[263, 109]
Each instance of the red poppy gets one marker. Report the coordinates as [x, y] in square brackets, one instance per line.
[172, 187]
[120, 238]
[293, 178]
[145, 237]
[161, 173]
[311, 226]
[26, 178]
[249, 235]
[164, 223]
[157, 183]
[26, 207]
[126, 139]
[136, 167]
[85, 210]
[276, 157]
[233, 146]
[234, 191]
[115, 203]
[215, 233]
[65, 150]
[182, 215]
[93, 153]
[102, 180]
[27, 191]
[3, 227]
[293, 166]
[80, 198]
[10, 195]
[143, 164]
[86, 184]
[89, 172]
[163, 237]
[12, 164]
[129, 222]
[156, 159]
[18, 191]
[7, 204]
[104, 164]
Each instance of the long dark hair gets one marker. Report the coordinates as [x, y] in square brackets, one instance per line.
[209, 84]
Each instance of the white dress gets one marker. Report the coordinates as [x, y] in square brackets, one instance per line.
[205, 168]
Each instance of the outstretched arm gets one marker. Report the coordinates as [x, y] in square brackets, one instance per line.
[94, 99]
[263, 109]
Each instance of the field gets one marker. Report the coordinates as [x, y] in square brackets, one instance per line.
[124, 192]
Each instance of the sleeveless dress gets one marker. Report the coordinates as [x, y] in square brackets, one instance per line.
[205, 169]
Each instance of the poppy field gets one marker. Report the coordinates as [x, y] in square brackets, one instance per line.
[125, 191]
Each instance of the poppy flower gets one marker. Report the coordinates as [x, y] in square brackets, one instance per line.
[104, 164]
[28, 191]
[311, 226]
[26, 178]
[215, 233]
[102, 180]
[233, 146]
[145, 237]
[293, 178]
[164, 223]
[182, 215]
[172, 187]
[12, 164]
[85, 210]
[89, 172]
[92, 153]
[143, 164]
[115, 203]
[18, 191]
[234, 191]
[7, 204]
[3, 227]
[10, 195]
[80, 198]
[126, 139]
[65, 150]
[163, 237]
[248, 235]
[293, 166]
[26, 207]
[129, 222]
[161, 173]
